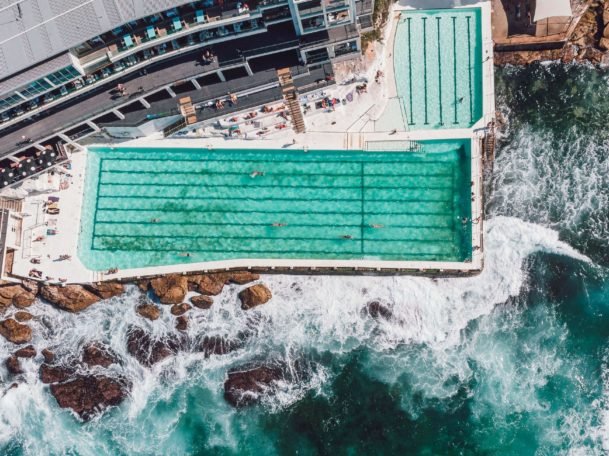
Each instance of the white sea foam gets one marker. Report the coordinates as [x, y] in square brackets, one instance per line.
[306, 314]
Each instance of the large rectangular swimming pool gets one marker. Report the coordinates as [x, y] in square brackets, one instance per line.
[148, 207]
[438, 67]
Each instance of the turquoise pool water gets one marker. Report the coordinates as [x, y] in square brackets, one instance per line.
[438, 67]
[146, 207]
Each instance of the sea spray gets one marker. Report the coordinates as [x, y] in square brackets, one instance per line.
[307, 317]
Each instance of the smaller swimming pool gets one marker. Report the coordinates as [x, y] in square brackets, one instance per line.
[148, 207]
[438, 67]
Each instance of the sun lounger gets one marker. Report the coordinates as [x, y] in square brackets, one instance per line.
[150, 33]
[177, 24]
[200, 15]
[128, 41]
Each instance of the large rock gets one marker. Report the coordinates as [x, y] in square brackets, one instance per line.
[242, 277]
[246, 386]
[377, 310]
[170, 289]
[16, 295]
[149, 350]
[96, 354]
[208, 284]
[13, 365]
[202, 301]
[254, 296]
[71, 298]
[182, 323]
[180, 309]
[149, 311]
[106, 290]
[218, 345]
[15, 332]
[90, 395]
[23, 316]
[55, 374]
[49, 356]
[26, 352]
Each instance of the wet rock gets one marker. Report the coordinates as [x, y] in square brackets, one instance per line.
[254, 296]
[31, 285]
[55, 374]
[24, 300]
[202, 301]
[170, 289]
[377, 310]
[16, 295]
[13, 365]
[143, 285]
[149, 350]
[96, 354]
[182, 323]
[71, 298]
[26, 352]
[218, 345]
[208, 284]
[246, 386]
[149, 311]
[49, 356]
[180, 309]
[106, 290]
[23, 316]
[90, 395]
[242, 277]
[15, 332]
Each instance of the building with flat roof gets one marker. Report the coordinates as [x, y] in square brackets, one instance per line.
[54, 51]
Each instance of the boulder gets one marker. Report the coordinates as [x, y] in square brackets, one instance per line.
[49, 356]
[246, 386]
[17, 296]
[242, 277]
[149, 311]
[106, 290]
[254, 296]
[15, 332]
[377, 310]
[71, 298]
[208, 284]
[55, 374]
[149, 350]
[13, 365]
[218, 345]
[26, 352]
[182, 323]
[90, 395]
[180, 309]
[604, 43]
[170, 289]
[23, 316]
[202, 301]
[96, 354]
[30, 285]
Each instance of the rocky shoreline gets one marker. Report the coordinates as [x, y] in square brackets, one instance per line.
[589, 43]
[88, 383]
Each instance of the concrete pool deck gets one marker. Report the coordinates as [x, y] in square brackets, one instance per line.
[348, 128]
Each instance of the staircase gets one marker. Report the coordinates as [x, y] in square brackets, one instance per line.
[290, 94]
[187, 110]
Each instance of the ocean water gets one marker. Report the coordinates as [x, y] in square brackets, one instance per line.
[514, 361]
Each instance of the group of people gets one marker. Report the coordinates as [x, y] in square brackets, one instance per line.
[208, 56]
